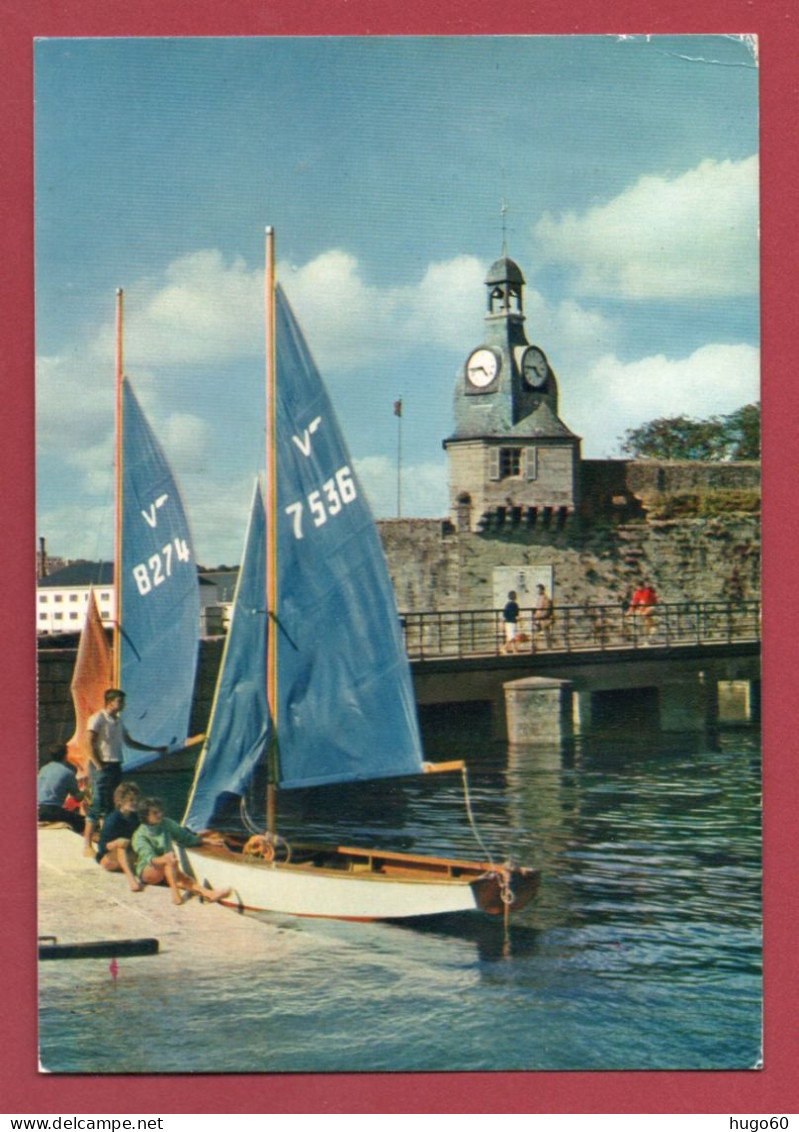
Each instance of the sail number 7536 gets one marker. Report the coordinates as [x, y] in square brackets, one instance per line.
[158, 567]
[325, 503]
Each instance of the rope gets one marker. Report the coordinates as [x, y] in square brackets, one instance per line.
[274, 839]
[502, 871]
[249, 824]
[470, 815]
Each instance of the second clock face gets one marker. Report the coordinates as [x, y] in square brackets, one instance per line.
[482, 367]
[534, 367]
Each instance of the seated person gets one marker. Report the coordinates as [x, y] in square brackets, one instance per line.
[56, 782]
[73, 804]
[156, 860]
[113, 846]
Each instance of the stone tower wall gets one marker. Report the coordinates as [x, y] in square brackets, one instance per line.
[548, 477]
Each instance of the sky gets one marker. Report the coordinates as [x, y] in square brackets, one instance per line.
[627, 166]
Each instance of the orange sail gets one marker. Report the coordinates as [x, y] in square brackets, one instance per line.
[92, 676]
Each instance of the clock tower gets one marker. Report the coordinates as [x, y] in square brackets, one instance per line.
[512, 461]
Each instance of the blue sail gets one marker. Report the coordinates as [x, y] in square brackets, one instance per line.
[159, 609]
[345, 708]
[239, 727]
[345, 704]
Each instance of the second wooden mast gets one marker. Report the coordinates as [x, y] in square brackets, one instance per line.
[271, 528]
[118, 472]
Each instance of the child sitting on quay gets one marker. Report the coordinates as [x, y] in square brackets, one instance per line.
[156, 860]
[113, 847]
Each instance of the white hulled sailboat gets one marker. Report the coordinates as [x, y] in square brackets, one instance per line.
[315, 686]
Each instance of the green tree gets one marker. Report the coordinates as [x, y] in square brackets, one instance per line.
[735, 436]
[742, 433]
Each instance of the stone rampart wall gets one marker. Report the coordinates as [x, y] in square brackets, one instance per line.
[435, 568]
[602, 479]
[599, 555]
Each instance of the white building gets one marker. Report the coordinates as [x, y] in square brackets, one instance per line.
[62, 598]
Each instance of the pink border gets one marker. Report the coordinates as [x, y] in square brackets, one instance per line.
[772, 1090]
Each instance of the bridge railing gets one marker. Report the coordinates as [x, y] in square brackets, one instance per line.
[481, 632]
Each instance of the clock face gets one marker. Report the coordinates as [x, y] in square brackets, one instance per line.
[535, 367]
[482, 367]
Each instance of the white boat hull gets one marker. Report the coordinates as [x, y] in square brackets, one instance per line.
[354, 894]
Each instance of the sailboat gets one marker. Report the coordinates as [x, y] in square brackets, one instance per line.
[157, 624]
[315, 686]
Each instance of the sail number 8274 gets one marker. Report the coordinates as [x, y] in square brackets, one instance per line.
[158, 567]
[325, 503]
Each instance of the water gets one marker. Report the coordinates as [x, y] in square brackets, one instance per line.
[642, 950]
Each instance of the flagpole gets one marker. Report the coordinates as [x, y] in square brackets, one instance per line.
[398, 414]
[271, 511]
[118, 489]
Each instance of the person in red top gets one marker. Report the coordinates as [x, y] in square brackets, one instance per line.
[643, 604]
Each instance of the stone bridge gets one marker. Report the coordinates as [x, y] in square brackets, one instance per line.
[700, 662]
[688, 668]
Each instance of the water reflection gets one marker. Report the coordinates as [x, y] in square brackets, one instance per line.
[493, 940]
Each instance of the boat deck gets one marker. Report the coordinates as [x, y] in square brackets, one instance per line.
[362, 863]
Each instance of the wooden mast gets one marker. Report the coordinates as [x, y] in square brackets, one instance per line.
[118, 489]
[271, 524]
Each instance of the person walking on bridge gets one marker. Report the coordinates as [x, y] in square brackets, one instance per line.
[510, 615]
[643, 604]
[543, 616]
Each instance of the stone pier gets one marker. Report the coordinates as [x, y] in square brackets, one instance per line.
[538, 710]
[688, 705]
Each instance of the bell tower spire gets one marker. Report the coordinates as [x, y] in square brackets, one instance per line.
[503, 211]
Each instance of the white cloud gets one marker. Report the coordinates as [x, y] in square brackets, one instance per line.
[217, 516]
[615, 396]
[685, 237]
[572, 335]
[208, 310]
[75, 420]
[218, 511]
[424, 487]
[185, 437]
[96, 464]
[79, 530]
[448, 305]
[350, 324]
[67, 414]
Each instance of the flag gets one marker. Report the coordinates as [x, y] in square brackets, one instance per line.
[92, 676]
[398, 408]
